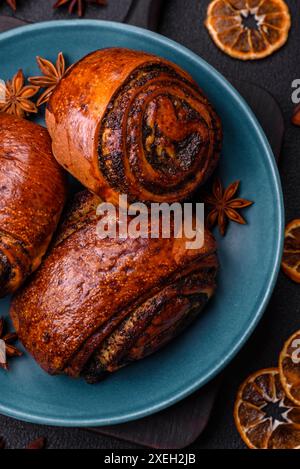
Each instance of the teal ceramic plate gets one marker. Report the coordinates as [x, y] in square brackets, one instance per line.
[249, 255]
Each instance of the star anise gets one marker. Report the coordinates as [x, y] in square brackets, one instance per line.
[12, 4]
[52, 74]
[6, 349]
[79, 3]
[15, 96]
[39, 443]
[296, 115]
[224, 206]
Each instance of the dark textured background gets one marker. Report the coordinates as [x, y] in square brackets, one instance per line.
[182, 20]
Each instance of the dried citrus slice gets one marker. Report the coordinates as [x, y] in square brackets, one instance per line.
[289, 367]
[291, 253]
[264, 416]
[248, 29]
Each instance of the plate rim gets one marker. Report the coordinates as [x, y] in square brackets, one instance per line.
[278, 197]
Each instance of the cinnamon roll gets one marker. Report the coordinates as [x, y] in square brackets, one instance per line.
[32, 196]
[124, 121]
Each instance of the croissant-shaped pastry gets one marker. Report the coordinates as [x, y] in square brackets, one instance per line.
[92, 307]
[128, 122]
[32, 195]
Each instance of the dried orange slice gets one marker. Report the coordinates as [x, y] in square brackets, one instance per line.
[264, 416]
[248, 29]
[291, 253]
[289, 367]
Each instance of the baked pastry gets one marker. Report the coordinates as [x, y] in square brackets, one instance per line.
[92, 307]
[32, 195]
[124, 121]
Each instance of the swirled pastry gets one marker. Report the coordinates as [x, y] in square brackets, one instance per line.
[128, 122]
[32, 196]
[92, 307]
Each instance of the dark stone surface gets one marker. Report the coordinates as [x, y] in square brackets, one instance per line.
[183, 21]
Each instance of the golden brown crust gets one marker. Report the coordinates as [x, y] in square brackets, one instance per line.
[32, 195]
[225, 24]
[124, 121]
[89, 290]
